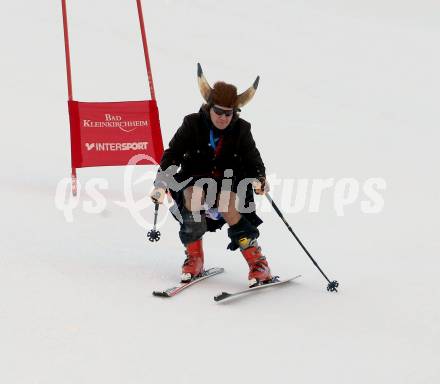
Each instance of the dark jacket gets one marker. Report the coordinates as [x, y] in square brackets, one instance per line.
[190, 149]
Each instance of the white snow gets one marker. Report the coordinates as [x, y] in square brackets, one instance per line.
[349, 89]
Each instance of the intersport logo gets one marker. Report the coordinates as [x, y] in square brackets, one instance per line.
[116, 147]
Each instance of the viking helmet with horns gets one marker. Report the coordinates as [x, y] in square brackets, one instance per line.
[224, 94]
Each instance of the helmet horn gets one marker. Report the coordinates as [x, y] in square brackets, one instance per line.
[246, 96]
[205, 88]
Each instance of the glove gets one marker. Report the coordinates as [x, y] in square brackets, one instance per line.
[260, 185]
[158, 195]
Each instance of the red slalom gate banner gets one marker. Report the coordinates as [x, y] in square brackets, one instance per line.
[111, 133]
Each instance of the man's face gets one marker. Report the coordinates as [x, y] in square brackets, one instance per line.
[219, 116]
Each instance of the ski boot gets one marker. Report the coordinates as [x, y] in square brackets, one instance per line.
[193, 265]
[259, 271]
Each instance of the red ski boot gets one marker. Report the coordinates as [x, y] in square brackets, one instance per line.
[193, 265]
[259, 271]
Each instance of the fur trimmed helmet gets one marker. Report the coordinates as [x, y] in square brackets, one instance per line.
[224, 94]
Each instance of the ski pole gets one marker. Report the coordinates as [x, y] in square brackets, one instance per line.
[332, 285]
[154, 235]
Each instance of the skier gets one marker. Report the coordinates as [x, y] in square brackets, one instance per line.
[215, 144]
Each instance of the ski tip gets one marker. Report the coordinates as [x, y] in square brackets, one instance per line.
[160, 294]
[221, 296]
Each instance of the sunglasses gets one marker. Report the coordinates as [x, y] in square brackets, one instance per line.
[220, 111]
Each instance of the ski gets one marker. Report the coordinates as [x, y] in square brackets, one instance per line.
[170, 292]
[275, 281]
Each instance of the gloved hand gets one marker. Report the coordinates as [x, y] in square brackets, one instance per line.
[260, 185]
[158, 195]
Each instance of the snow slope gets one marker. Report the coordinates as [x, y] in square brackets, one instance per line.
[349, 89]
